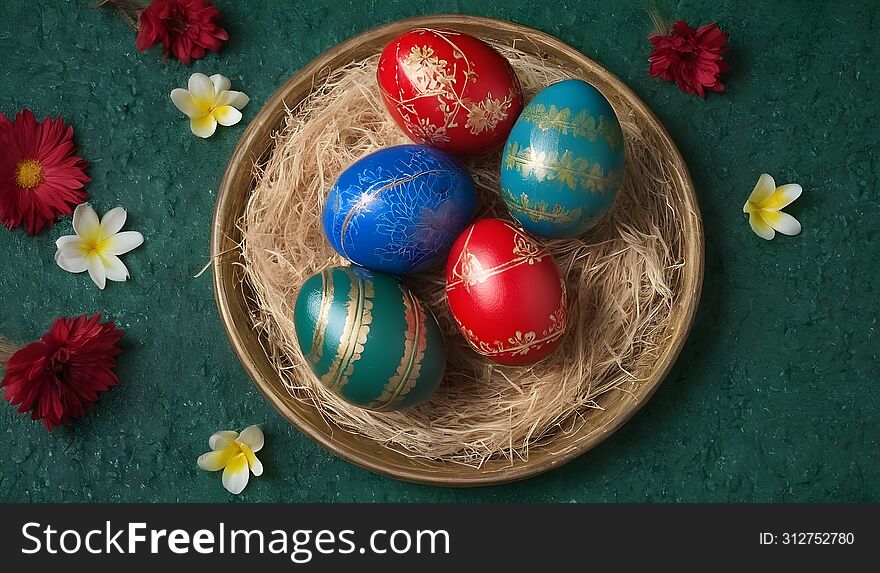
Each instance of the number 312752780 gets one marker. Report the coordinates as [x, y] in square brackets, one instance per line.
[808, 538]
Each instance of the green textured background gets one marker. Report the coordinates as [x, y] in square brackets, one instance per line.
[775, 397]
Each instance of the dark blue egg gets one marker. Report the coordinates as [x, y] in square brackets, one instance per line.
[399, 210]
[564, 161]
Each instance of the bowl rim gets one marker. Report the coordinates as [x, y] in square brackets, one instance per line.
[226, 286]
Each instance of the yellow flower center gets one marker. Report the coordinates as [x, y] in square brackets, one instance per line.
[90, 250]
[94, 246]
[241, 449]
[29, 173]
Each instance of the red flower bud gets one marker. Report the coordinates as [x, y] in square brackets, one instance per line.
[691, 58]
[186, 28]
[58, 377]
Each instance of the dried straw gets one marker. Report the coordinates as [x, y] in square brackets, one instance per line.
[7, 349]
[624, 278]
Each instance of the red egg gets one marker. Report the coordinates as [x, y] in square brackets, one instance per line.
[506, 294]
[449, 90]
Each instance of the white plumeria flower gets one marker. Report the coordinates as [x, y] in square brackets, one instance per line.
[97, 245]
[764, 208]
[209, 101]
[234, 454]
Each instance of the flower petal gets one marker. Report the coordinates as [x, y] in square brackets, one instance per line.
[216, 460]
[203, 126]
[226, 115]
[184, 102]
[253, 462]
[221, 83]
[763, 189]
[783, 196]
[253, 437]
[233, 98]
[114, 269]
[123, 242]
[220, 440]
[236, 474]
[70, 246]
[85, 222]
[75, 264]
[760, 228]
[782, 222]
[112, 221]
[97, 272]
[202, 91]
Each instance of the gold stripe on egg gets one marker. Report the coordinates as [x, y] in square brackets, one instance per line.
[520, 343]
[540, 210]
[468, 270]
[414, 345]
[317, 349]
[366, 199]
[581, 125]
[358, 318]
[568, 170]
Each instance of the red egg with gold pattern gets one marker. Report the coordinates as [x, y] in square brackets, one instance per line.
[449, 90]
[506, 293]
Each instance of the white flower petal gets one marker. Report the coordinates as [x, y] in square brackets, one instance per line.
[75, 264]
[236, 474]
[202, 91]
[85, 221]
[184, 102]
[112, 221]
[255, 464]
[760, 228]
[203, 126]
[782, 222]
[114, 269]
[69, 245]
[253, 437]
[763, 189]
[233, 98]
[221, 83]
[220, 440]
[782, 197]
[226, 115]
[216, 460]
[97, 272]
[123, 242]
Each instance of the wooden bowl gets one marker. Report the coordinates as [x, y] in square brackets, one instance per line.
[233, 295]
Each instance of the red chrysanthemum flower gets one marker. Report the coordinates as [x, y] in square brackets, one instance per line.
[186, 28]
[60, 375]
[41, 178]
[692, 58]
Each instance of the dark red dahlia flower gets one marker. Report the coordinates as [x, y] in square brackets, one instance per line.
[692, 58]
[60, 375]
[186, 28]
[41, 178]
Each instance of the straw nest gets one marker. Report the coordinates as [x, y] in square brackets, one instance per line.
[7, 349]
[624, 278]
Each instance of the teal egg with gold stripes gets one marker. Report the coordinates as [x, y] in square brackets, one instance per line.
[563, 162]
[369, 339]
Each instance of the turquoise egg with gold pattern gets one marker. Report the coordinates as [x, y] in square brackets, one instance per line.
[563, 162]
[368, 338]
